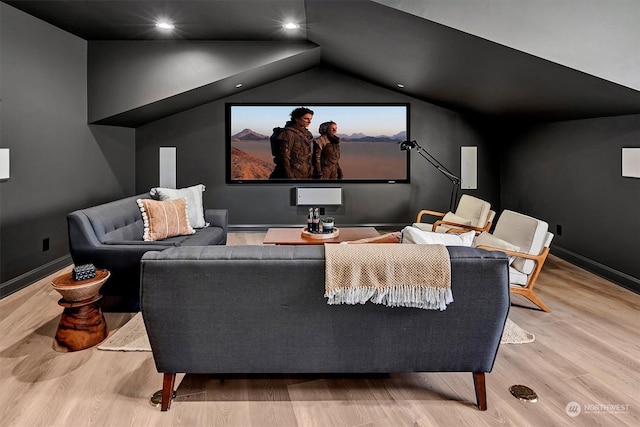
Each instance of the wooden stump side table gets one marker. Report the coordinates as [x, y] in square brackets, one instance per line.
[82, 323]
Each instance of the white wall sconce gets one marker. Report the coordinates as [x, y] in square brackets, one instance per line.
[4, 163]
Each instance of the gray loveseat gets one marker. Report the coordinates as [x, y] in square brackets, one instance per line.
[110, 236]
[261, 309]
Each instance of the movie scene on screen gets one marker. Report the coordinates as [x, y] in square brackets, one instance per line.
[363, 147]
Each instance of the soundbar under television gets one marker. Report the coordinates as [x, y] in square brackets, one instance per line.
[369, 137]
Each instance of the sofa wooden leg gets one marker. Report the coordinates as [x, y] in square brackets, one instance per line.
[481, 390]
[168, 383]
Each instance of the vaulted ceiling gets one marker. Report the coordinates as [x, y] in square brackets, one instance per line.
[370, 40]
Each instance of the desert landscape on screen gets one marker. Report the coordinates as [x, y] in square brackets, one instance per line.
[375, 158]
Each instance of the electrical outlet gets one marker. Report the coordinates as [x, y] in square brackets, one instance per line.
[45, 244]
[558, 230]
[321, 211]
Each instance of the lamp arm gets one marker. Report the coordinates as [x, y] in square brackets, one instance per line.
[440, 167]
[435, 163]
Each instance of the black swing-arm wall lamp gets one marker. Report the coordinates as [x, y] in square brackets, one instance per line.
[410, 145]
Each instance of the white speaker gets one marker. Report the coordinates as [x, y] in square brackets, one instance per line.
[319, 196]
[167, 167]
[4, 164]
[631, 162]
[469, 168]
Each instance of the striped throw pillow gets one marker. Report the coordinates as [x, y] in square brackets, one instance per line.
[163, 219]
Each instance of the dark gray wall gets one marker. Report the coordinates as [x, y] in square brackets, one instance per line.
[134, 82]
[199, 135]
[570, 173]
[58, 162]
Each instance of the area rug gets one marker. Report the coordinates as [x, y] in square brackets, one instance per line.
[514, 334]
[132, 336]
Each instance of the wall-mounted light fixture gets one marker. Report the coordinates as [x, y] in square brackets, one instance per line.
[4, 163]
[409, 145]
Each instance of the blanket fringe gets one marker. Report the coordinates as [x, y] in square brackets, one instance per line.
[397, 296]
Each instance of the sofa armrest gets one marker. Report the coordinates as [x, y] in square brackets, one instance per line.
[117, 253]
[217, 218]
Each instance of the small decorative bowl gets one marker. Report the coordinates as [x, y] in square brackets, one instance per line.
[73, 291]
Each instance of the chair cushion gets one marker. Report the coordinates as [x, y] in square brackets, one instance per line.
[451, 217]
[488, 239]
[473, 209]
[517, 278]
[530, 234]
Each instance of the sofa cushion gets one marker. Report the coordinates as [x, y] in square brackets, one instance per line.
[112, 216]
[193, 196]
[129, 232]
[205, 237]
[415, 235]
[164, 219]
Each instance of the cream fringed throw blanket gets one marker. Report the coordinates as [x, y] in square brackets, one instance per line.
[391, 274]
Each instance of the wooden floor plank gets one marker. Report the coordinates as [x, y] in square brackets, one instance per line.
[587, 351]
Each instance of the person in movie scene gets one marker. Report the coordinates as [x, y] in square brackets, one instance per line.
[291, 147]
[326, 152]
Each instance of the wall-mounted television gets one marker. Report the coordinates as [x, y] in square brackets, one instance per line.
[369, 141]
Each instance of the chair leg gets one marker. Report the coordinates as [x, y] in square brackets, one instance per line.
[528, 294]
[168, 383]
[481, 390]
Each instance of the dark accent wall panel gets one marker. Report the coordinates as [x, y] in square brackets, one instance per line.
[135, 82]
[199, 135]
[58, 162]
[570, 175]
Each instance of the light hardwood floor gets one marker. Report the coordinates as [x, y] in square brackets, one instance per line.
[587, 351]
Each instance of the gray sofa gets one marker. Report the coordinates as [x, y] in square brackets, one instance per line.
[110, 236]
[261, 309]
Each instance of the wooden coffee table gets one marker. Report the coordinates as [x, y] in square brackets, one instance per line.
[293, 236]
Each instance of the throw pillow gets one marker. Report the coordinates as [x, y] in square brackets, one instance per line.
[487, 239]
[415, 235]
[383, 238]
[193, 196]
[163, 219]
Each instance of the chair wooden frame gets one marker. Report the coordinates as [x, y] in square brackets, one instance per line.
[527, 291]
[462, 228]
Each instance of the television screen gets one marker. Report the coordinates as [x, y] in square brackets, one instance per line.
[364, 148]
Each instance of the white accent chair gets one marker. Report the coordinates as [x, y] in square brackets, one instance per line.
[526, 240]
[471, 214]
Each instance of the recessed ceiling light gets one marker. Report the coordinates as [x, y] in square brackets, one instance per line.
[291, 26]
[400, 85]
[163, 25]
[239, 85]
